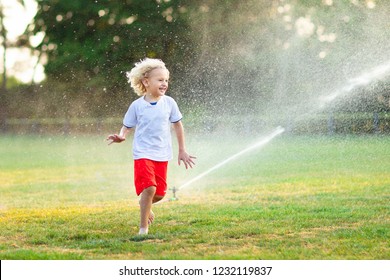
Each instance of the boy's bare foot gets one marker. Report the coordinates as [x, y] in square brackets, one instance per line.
[151, 217]
[143, 231]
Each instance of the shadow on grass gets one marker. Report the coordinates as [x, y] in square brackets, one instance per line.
[146, 237]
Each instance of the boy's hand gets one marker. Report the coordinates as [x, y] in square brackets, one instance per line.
[187, 159]
[115, 138]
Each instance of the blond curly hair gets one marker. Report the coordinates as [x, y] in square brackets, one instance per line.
[141, 71]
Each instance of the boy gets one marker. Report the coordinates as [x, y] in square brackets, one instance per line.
[151, 115]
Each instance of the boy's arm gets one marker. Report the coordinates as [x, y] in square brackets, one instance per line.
[183, 155]
[115, 138]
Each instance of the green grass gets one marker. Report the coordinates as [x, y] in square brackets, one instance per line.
[299, 197]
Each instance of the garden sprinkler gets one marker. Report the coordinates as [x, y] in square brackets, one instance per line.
[174, 190]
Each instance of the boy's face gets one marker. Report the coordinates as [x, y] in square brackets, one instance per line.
[156, 83]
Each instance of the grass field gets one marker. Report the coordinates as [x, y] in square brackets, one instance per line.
[299, 197]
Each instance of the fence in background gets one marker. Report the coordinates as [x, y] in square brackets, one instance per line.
[332, 123]
[60, 126]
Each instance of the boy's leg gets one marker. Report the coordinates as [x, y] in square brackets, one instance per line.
[145, 207]
[147, 172]
[157, 198]
[161, 180]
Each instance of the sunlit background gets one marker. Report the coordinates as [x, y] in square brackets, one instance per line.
[21, 62]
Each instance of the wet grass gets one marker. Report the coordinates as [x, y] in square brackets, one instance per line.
[299, 197]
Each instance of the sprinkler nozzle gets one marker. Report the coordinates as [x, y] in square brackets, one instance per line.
[174, 190]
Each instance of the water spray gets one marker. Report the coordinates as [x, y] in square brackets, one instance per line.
[364, 79]
[260, 143]
[374, 74]
[380, 72]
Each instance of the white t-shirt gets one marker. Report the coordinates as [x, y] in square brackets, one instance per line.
[152, 138]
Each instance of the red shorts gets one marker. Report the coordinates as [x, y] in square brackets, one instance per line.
[149, 173]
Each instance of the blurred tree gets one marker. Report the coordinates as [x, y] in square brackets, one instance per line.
[95, 42]
[4, 40]
[3, 34]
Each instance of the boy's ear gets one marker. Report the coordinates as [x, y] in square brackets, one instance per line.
[145, 82]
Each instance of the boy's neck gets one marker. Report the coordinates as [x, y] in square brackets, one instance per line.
[150, 98]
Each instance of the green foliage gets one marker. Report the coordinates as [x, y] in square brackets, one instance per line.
[98, 41]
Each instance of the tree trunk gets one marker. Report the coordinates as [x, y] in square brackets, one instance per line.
[3, 34]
